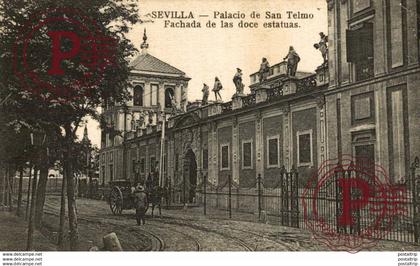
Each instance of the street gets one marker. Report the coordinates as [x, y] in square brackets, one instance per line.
[186, 230]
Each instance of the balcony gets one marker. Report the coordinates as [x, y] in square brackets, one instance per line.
[278, 69]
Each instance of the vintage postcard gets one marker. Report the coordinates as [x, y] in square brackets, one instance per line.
[185, 125]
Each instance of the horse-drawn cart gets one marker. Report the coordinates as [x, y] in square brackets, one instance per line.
[121, 197]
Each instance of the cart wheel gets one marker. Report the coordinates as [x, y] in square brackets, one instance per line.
[116, 201]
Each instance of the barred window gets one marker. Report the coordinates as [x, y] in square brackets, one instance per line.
[304, 148]
[224, 157]
[247, 154]
[273, 151]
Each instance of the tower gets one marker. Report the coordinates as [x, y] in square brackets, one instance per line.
[157, 88]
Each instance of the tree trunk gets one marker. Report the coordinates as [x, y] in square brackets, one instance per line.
[6, 186]
[40, 194]
[12, 172]
[29, 243]
[19, 203]
[3, 174]
[28, 193]
[71, 199]
[60, 241]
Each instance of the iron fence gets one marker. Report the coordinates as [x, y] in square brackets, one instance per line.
[398, 205]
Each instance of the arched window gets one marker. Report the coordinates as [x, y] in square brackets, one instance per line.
[169, 95]
[138, 96]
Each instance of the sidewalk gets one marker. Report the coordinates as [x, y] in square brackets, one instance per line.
[13, 234]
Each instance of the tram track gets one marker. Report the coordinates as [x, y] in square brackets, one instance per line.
[195, 242]
[157, 243]
[238, 241]
[253, 241]
[286, 246]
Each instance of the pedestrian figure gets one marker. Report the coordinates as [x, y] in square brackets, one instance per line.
[155, 196]
[140, 201]
[217, 87]
[205, 91]
[292, 61]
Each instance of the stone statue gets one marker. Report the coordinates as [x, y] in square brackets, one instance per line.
[133, 124]
[264, 70]
[183, 98]
[140, 122]
[173, 104]
[293, 60]
[150, 113]
[216, 88]
[237, 80]
[322, 46]
[205, 91]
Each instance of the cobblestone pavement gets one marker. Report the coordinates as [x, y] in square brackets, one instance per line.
[188, 230]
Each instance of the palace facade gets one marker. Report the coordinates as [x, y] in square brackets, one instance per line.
[373, 95]
[362, 103]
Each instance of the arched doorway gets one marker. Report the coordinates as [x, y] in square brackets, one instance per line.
[190, 177]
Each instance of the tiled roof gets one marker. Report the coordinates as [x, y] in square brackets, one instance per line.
[149, 63]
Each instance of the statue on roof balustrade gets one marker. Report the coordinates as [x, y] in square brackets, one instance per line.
[264, 71]
[322, 46]
[217, 88]
[237, 80]
[293, 60]
[205, 91]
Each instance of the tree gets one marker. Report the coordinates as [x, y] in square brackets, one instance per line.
[63, 105]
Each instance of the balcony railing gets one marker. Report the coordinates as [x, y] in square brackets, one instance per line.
[249, 100]
[274, 93]
[227, 107]
[307, 83]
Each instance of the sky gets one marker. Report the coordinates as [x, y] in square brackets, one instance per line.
[203, 53]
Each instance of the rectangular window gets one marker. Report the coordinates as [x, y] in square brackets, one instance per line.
[273, 152]
[247, 154]
[154, 94]
[360, 50]
[142, 165]
[205, 159]
[224, 157]
[304, 148]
